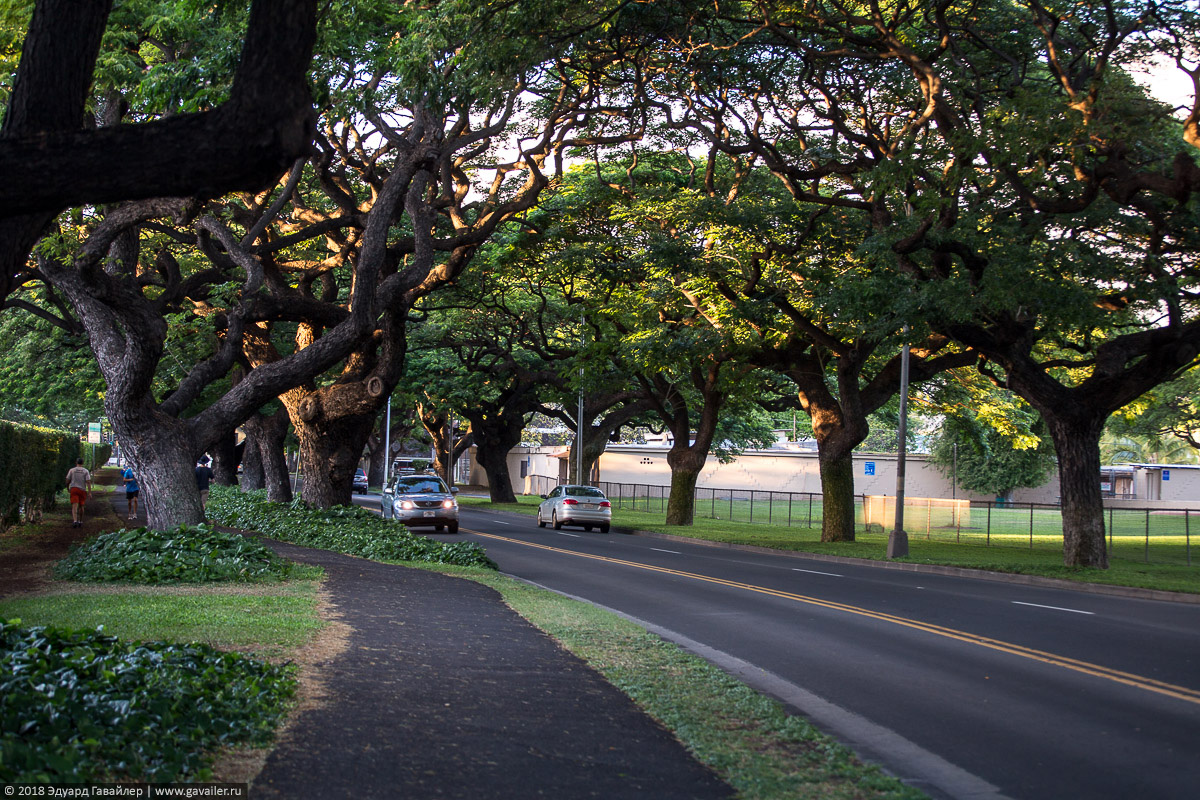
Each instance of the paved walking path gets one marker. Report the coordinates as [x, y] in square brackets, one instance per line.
[445, 692]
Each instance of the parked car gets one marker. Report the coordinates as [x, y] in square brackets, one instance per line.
[575, 505]
[360, 481]
[421, 500]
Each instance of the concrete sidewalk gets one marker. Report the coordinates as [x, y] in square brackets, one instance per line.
[445, 692]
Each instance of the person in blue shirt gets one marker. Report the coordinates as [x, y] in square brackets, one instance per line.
[131, 491]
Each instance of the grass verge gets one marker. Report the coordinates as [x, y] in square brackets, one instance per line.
[748, 739]
[267, 620]
[873, 547]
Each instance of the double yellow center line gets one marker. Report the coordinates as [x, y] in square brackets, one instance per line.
[1085, 667]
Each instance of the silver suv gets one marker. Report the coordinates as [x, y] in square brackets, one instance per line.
[421, 500]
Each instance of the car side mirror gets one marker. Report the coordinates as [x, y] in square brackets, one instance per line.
[387, 490]
[544, 497]
[453, 490]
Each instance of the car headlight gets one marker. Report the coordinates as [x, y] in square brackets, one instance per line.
[407, 505]
[447, 504]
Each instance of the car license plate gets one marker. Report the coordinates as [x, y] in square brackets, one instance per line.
[587, 505]
[429, 513]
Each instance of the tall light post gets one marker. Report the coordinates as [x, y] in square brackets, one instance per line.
[387, 442]
[579, 416]
[897, 546]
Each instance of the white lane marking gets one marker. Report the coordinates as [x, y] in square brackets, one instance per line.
[814, 572]
[498, 522]
[659, 549]
[572, 535]
[1054, 608]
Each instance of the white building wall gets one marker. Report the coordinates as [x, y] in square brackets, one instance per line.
[799, 471]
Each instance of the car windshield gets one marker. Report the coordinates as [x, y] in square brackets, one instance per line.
[584, 491]
[420, 486]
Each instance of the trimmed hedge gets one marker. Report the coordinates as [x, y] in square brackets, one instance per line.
[344, 529]
[187, 554]
[33, 467]
[79, 706]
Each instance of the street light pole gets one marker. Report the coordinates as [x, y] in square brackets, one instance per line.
[387, 442]
[897, 546]
[579, 416]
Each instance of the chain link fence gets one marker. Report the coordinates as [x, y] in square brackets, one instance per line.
[1161, 535]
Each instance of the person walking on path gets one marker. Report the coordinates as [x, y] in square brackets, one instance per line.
[131, 492]
[204, 476]
[79, 483]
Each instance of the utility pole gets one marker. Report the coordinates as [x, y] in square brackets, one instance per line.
[449, 448]
[897, 546]
[579, 417]
[387, 442]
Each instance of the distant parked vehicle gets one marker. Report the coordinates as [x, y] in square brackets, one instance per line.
[421, 500]
[360, 481]
[575, 505]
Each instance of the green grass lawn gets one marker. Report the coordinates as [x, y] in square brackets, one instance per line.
[1009, 551]
[266, 620]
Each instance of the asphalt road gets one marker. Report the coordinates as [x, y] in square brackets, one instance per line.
[963, 687]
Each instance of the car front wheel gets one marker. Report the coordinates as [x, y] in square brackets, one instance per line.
[452, 527]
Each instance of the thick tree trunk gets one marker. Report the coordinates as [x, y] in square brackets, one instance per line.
[333, 424]
[265, 435]
[161, 455]
[686, 463]
[377, 460]
[681, 503]
[253, 478]
[225, 460]
[838, 428]
[594, 446]
[494, 461]
[837, 494]
[330, 452]
[1077, 443]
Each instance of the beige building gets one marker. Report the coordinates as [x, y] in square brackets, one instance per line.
[793, 469]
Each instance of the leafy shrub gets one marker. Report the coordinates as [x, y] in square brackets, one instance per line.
[80, 706]
[346, 529]
[33, 464]
[186, 554]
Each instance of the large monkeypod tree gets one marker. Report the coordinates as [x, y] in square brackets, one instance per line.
[1036, 200]
[435, 138]
[371, 231]
[128, 272]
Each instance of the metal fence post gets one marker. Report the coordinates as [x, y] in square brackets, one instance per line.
[1110, 531]
[791, 496]
[752, 505]
[810, 499]
[988, 541]
[1187, 535]
[1031, 526]
[1147, 556]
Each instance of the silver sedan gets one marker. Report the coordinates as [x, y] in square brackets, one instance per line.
[420, 500]
[575, 505]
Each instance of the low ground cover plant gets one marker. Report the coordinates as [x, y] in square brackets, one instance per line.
[345, 529]
[187, 554]
[81, 706]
